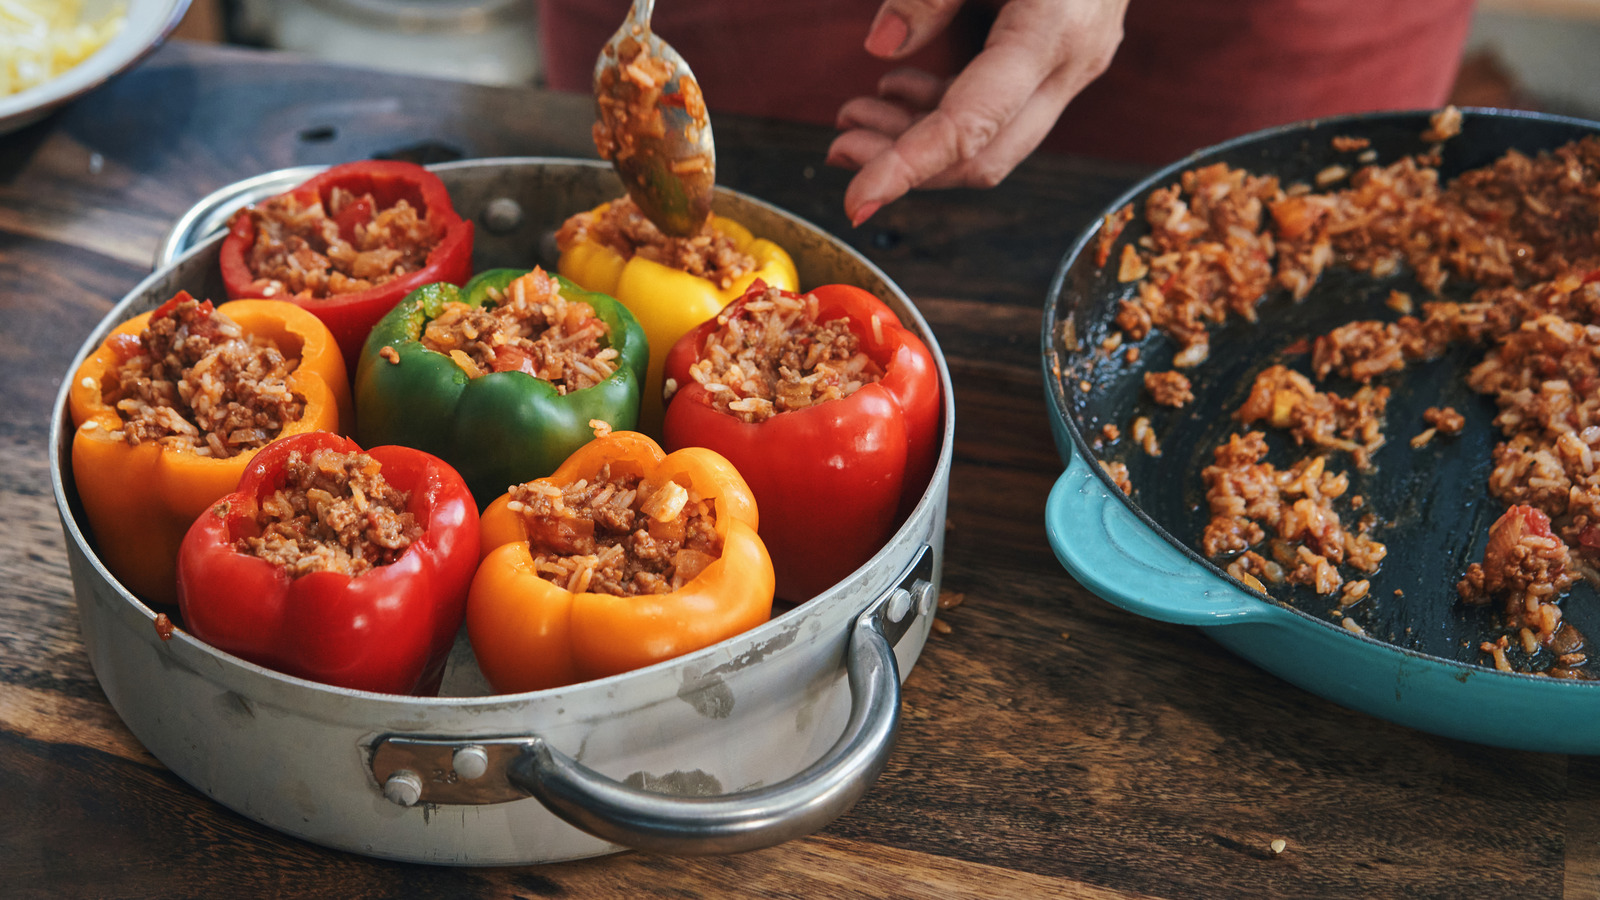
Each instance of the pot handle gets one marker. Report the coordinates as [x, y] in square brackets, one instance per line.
[477, 770]
[747, 820]
[1121, 558]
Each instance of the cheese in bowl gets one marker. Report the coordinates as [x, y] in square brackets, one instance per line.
[40, 39]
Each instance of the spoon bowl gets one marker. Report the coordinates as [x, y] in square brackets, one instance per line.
[653, 127]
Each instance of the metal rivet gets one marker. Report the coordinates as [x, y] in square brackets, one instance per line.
[404, 787]
[899, 605]
[502, 215]
[470, 762]
[926, 596]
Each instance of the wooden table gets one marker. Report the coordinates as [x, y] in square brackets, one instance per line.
[1052, 745]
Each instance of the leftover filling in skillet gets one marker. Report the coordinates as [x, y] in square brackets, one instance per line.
[528, 327]
[613, 535]
[311, 251]
[770, 355]
[1522, 232]
[194, 381]
[1171, 388]
[335, 512]
[1290, 511]
[1284, 398]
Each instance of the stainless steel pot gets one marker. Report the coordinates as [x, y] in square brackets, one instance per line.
[758, 739]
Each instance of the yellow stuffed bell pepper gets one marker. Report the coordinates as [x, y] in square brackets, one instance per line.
[543, 610]
[140, 499]
[668, 302]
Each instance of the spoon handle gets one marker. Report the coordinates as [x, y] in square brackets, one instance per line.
[641, 12]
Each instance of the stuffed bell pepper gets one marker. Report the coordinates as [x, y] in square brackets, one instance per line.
[670, 284]
[334, 564]
[349, 244]
[171, 408]
[502, 378]
[827, 406]
[624, 557]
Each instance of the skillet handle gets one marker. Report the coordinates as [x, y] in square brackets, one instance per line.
[1113, 553]
[746, 820]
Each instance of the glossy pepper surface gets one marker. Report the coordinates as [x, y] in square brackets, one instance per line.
[141, 499]
[501, 428]
[351, 315]
[832, 478]
[529, 633]
[388, 629]
[667, 301]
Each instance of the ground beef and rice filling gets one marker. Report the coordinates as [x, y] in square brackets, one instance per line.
[334, 513]
[527, 327]
[769, 355]
[622, 226]
[302, 251]
[1291, 510]
[1286, 399]
[617, 534]
[630, 96]
[1522, 232]
[1170, 388]
[193, 380]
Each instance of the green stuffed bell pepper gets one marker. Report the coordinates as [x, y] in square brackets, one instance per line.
[503, 378]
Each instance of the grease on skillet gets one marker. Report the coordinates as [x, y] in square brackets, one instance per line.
[1307, 469]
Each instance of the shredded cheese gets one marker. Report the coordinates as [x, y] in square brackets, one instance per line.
[40, 39]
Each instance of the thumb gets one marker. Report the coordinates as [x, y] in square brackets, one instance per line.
[902, 27]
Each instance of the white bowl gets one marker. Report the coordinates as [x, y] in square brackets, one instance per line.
[148, 22]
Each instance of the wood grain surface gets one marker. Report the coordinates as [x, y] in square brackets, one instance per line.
[1052, 745]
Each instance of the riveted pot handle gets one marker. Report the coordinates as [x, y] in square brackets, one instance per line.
[414, 770]
[1121, 558]
[746, 820]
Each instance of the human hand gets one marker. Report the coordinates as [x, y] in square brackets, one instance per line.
[970, 131]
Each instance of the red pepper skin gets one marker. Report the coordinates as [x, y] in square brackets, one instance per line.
[351, 316]
[832, 480]
[389, 629]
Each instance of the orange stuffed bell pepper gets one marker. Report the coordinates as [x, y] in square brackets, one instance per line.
[624, 557]
[153, 449]
[669, 284]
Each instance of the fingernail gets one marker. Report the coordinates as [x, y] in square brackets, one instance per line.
[864, 212]
[888, 34]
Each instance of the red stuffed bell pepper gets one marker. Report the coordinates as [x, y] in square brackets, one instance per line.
[832, 417]
[348, 245]
[335, 565]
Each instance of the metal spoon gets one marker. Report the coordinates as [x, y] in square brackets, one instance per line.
[653, 125]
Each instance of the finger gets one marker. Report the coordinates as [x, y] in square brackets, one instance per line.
[1032, 43]
[902, 27]
[877, 115]
[943, 139]
[854, 149]
[876, 185]
[1024, 71]
[913, 87]
[1015, 140]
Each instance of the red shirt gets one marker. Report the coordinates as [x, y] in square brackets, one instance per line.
[1189, 73]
